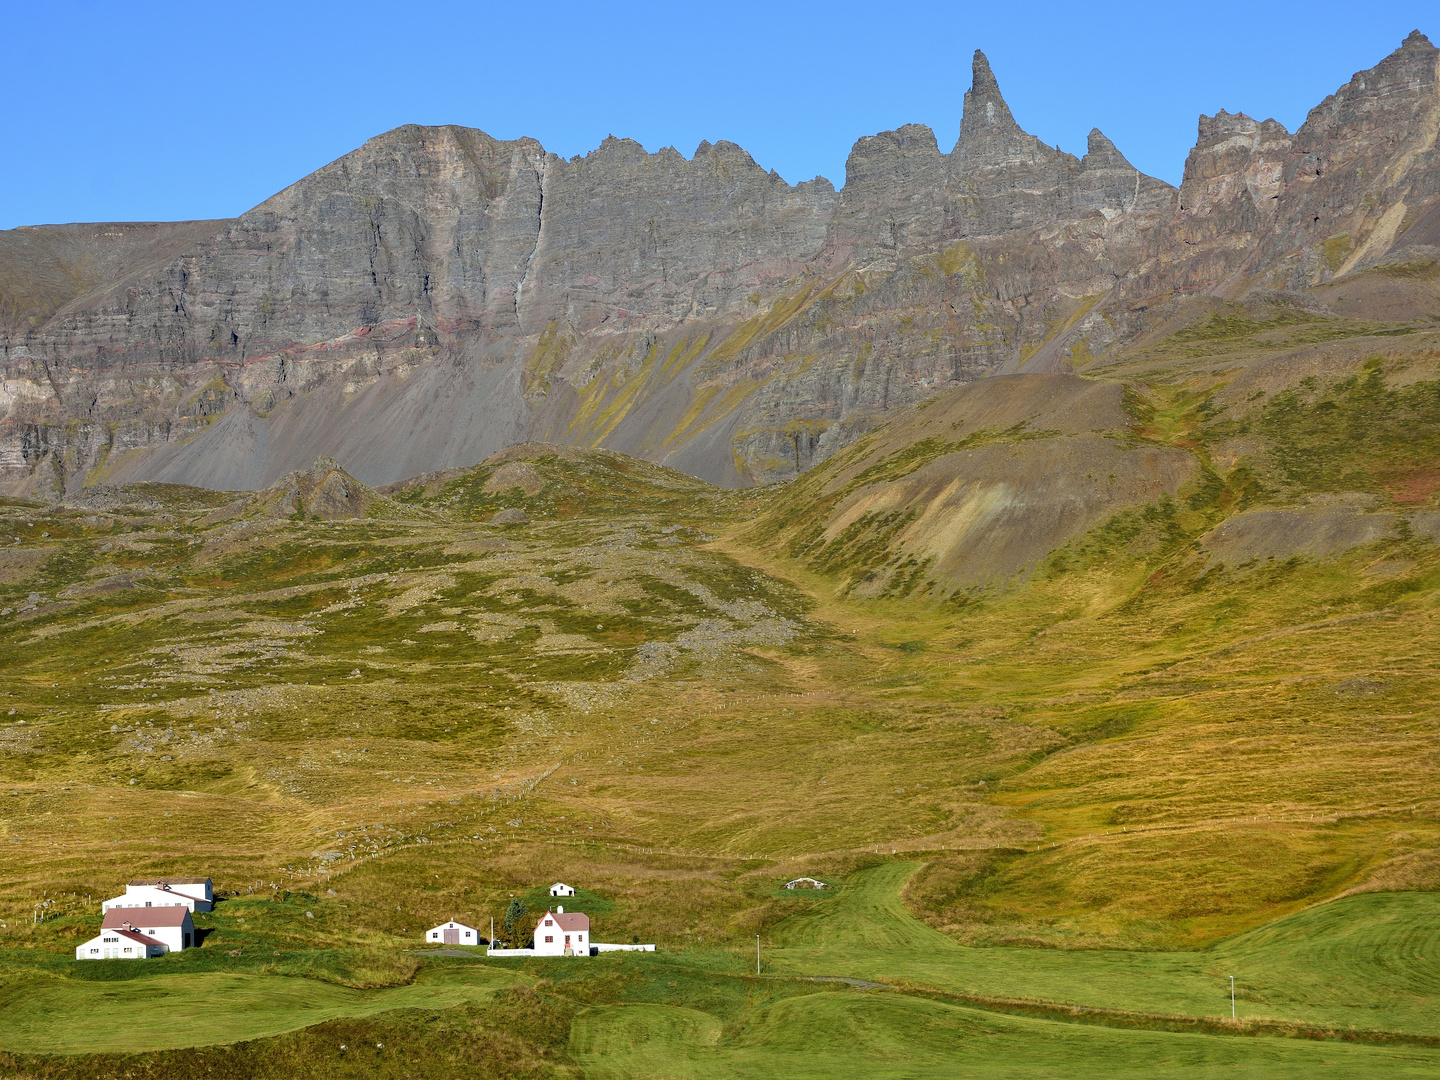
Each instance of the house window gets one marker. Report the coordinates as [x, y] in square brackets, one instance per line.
[549, 922]
[147, 903]
[549, 937]
[94, 951]
[435, 936]
[467, 933]
[129, 950]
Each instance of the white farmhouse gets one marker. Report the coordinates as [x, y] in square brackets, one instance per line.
[561, 889]
[453, 933]
[140, 934]
[561, 934]
[193, 894]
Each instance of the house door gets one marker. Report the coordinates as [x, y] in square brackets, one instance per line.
[452, 937]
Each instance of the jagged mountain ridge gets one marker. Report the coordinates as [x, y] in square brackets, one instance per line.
[438, 294]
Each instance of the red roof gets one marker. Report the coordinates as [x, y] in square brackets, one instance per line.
[570, 920]
[132, 935]
[171, 881]
[172, 915]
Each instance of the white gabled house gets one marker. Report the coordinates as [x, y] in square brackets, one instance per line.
[561, 889]
[138, 934]
[193, 894]
[453, 933]
[562, 933]
[565, 933]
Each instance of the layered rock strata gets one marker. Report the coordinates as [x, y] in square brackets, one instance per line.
[438, 294]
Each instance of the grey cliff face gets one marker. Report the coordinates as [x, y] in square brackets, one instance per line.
[1260, 205]
[438, 294]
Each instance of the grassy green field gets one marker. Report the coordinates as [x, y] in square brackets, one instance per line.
[858, 1033]
[160, 1012]
[1347, 987]
[1366, 962]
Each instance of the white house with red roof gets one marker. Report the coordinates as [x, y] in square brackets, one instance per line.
[565, 933]
[193, 894]
[562, 933]
[140, 933]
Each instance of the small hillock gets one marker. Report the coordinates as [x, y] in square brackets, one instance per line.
[549, 481]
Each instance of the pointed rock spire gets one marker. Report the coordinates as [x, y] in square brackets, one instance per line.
[1100, 152]
[985, 110]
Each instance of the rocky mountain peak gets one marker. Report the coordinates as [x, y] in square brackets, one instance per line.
[438, 294]
[1100, 152]
[1224, 123]
[985, 111]
[1415, 39]
[989, 136]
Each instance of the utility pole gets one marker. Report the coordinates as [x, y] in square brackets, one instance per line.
[1232, 997]
[757, 954]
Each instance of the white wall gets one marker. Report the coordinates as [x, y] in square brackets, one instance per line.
[137, 896]
[173, 937]
[112, 946]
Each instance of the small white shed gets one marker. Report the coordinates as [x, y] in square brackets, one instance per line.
[452, 933]
[561, 889]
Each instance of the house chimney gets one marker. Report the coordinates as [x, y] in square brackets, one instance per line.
[559, 909]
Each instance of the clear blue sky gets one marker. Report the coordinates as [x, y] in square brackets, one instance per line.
[165, 110]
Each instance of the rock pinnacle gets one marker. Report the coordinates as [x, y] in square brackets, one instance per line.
[985, 110]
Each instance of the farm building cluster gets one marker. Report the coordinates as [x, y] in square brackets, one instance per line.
[151, 918]
[557, 933]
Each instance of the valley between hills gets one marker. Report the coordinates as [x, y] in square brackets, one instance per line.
[1087, 679]
[1185, 744]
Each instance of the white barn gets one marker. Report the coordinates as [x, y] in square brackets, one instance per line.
[140, 934]
[453, 933]
[561, 933]
[561, 889]
[193, 894]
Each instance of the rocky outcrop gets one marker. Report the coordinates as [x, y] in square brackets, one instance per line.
[1259, 206]
[44, 267]
[975, 489]
[438, 294]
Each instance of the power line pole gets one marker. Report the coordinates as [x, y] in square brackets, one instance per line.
[1232, 997]
[757, 954]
